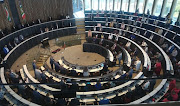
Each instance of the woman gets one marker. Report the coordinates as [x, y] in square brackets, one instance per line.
[158, 68]
[89, 33]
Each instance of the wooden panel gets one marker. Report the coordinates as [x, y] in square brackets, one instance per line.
[4, 23]
[42, 9]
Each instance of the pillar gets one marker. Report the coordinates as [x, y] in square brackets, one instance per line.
[137, 5]
[173, 6]
[145, 5]
[154, 6]
[121, 5]
[129, 5]
[163, 7]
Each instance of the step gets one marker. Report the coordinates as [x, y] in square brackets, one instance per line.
[80, 25]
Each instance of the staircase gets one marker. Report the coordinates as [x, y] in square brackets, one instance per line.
[81, 28]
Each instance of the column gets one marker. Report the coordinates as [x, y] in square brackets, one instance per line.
[178, 17]
[129, 5]
[173, 6]
[106, 5]
[145, 5]
[163, 7]
[84, 5]
[113, 4]
[91, 4]
[121, 5]
[98, 5]
[154, 7]
[137, 5]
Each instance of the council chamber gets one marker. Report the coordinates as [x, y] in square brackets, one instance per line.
[89, 52]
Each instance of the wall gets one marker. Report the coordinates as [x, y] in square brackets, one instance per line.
[4, 23]
[42, 9]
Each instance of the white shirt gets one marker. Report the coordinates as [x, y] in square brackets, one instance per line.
[138, 65]
[151, 37]
[160, 31]
[122, 26]
[120, 32]
[110, 36]
[128, 44]
[144, 43]
[67, 17]
[86, 74]
[146, 85]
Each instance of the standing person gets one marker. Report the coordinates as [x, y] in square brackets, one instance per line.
[34, 64]
[57, 66]
[38, 74]
[52, 62]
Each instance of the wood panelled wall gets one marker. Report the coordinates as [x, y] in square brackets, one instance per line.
[42, 9]
[4, 23]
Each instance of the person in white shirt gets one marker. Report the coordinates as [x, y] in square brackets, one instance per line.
[85, 72]
[144, 43]
[116, 37]
[160, 31]
[151, 37]
[165, 46]
[94, 28]
[134, 29]
[120, 32]
[127, 28]
[122, 25]
[128, 44]
[67, 16]
[146, 86]
[137, 64]
[110, 36]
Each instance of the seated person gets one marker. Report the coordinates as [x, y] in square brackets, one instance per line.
[6, 50]
[122, 25]
[158, 68]
[85, 72]
[98, 86]
[16, 41]
[137, 64]
[132, 36]
[110, 37]
[104, 101]
[74, 102]
[21, 38]
[89, 33]
[128, 44]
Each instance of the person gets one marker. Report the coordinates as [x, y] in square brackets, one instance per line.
[104, 101]
[152, 84]
[34, 64]
[110, 36]
[132, 36]
[146, 86]
[159, 56]
[47, 100]
[174, 95]
[137, 64]
[88, 87]
[128, 44]
[158, 68]
[10, 47]
[144, 43]
[111, 24]
[174, 53]
[36, 96]
[160, 31]
[16, 41]
[21, 88]
[21, 38]
[57, 66]
[74, 102]
[6, 50]
[122, 25]
[89, 33]
[52, 62]
[170, 49]
[165, 46]
[172, 84]
[2, 93]
[67, 16]
[130, 73]
[119, 57]
[85, 72]
[94, 28]
[38, 74]
[98, 86]
[61, 102]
